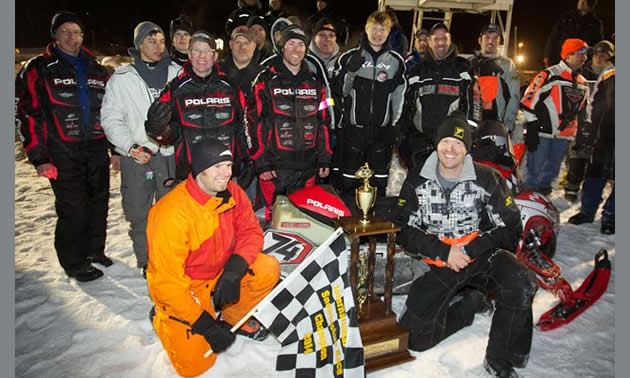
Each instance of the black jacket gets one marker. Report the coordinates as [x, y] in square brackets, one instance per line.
[205, 107]
[603, 116]
[48, 110]
[243, 78]
[479, 202]
[288, 120]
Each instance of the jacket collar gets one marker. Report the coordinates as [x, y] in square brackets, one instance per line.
[429, 170]
[222, 201]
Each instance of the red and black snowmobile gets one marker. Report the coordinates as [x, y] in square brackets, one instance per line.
[540, 220]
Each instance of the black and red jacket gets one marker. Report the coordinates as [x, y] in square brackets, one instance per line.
[207, 107]
[48, 110]
[288, 120]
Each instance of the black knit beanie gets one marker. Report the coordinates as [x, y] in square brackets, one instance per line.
[181, 23]
[291, 32]
[207, 152]
[455, 126]
[61, 18]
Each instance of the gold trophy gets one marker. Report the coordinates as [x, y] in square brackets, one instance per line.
[365, 195]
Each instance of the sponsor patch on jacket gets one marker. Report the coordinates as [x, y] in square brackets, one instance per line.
[309, 108]
[195, 116]
[209, 101]
[508, 201]
[401, 202]
[222, 115]
[66, 94]
[295, 91]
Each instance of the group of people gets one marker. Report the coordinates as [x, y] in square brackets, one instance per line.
[201, 143]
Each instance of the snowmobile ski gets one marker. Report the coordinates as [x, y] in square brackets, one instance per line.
[572, 305]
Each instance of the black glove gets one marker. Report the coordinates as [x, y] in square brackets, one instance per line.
[157, 124]
[355, 62]
[219, 337]
[247, 174]
[228, 289]
[531, 137]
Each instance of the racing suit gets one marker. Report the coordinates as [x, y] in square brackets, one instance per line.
[288, 128]
[58, 100]
[433, 216]
[205, 107]
[373, 99]
[500, 87]
[554, 103]
[191, 235]
[436, 89]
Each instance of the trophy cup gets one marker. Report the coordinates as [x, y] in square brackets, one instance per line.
[365, 195]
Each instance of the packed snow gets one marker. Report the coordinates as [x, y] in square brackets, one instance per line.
[64, 328]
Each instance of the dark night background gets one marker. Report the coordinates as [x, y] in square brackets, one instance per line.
[109, 24]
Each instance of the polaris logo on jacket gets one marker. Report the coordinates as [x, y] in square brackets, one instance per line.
[207, 101]
[71, 81]
[292, 91]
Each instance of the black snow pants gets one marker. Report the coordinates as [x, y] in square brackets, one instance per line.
[81, 200]
[430, 316]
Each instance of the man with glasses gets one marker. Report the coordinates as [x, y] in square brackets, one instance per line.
[199, 103]
[58, 96]
[554, 103]
[147, 169]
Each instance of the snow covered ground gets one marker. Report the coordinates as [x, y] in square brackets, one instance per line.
[101, 329]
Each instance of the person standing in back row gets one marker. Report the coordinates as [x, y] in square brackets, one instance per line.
[58, 96]
[147, 170]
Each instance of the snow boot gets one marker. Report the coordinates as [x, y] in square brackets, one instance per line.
[84, 273]
[100, 259]
[580, 218]
[499, 368]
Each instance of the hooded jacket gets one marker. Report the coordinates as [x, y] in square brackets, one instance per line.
[48, 109]
[479, 202]
[125, 105]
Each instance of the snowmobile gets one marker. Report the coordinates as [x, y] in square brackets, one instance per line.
[305, 218]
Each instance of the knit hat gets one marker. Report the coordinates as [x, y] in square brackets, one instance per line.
[439, 25]
[324, 24]
[291, 32]
[455, 126]
[242, 31]
[142, 30]
[61, 18]
[182, 22]
[571, 46]
[604, 47]
[206, 152]
[203, 36]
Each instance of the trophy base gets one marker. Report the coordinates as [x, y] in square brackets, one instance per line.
[384, 341]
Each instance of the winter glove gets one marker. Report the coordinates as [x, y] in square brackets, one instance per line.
[247, 174]
[228, 289]
[531, 137]
[47, 170]
[157, 124]
[219, 338]
[355, 62]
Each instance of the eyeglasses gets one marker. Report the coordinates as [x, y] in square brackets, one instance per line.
[199, 52]
[76, 33]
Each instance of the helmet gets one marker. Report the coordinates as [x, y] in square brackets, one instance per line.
[539, 215]
[604, 47]
[491, 143]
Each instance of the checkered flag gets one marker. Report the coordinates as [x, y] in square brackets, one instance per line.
[312, 315]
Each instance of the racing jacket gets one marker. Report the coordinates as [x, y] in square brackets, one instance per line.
[288, 120]
[48, 110]
[205, 107]
[190, 237]
[436, 89]
[500, 86]
[373, 97]
[479, 202]
[553, 101]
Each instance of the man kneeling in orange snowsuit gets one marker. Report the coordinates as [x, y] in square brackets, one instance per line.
[205, 245]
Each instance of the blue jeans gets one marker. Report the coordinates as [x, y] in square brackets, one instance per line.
[543, 164]
[592, 196]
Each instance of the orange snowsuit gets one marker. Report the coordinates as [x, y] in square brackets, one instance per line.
[190, 236]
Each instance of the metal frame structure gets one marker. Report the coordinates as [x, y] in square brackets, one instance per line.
[500, 12]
